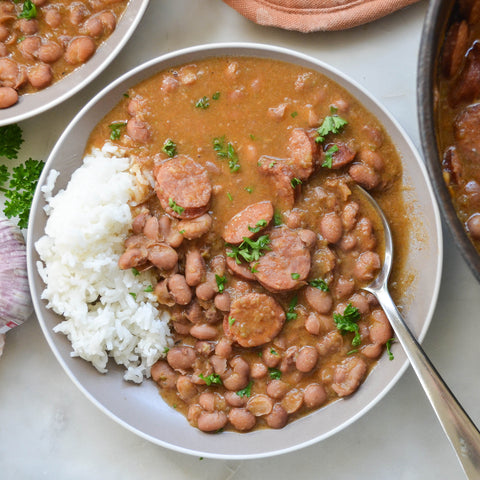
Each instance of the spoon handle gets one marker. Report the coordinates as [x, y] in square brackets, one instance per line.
[460, 430]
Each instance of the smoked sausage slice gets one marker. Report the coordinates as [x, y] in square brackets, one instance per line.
[256, 216]
[254, 319]
[183, 187]
[286, 266]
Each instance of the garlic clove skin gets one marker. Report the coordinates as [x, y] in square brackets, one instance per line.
[15, 300]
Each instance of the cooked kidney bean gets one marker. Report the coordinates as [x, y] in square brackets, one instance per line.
[260, 405]
[49, 52]
[364, 175]
[241, 419]
[162, 256]
[314, 395]
[79, 50]
[258, 370]
[181, 358]
[203, 332]
[195, 269]
[306, 359]
[196, 227]
[235, 400]
[8, 97]
[331, 227]
[367, 266]
[211, 421]
[186, 389]
[348, 375]
[138, 130]
[163, 374]
[319, 300]
[40, 75]
[277, 389]
[277, 418]
[292, 401]
[179, 289]
[473, 225]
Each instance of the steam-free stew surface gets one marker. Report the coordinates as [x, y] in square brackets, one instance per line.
[233, 152]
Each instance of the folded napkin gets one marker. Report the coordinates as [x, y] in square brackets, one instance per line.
[313, 15]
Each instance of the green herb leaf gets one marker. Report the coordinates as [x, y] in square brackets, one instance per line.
[21, 189]
[247, 391]
[175, 207]
[4, 175]
[329, 156]
[29, 10]
[291, 314]
[133, 294]
[274, 352]
[231, 320]
[294, 114]
[229, 196]
[212, 379]
[274, 373]
[330, 124]
[249, 250]
[295, 181]
[388, 345]
[116, 130]
[249, 189]
[149, 289]
[295, 276]
[135, 271]
[320, 284]
[347, 323]
[226, 150]
[170, 147]
[202, 103]
[216, 96]
[220, 282]
[11, 140]
[258, 226]
[277, 218]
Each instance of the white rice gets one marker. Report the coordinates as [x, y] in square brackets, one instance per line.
[107, 311]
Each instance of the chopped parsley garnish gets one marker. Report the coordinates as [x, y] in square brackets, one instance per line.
[388, 345]
[277, 218]
[135, 271]
[295, 181]
[331, 124]
[320, 284]
[249, 189]
[220, 282]
[175, 207]
[247, 391]
[258, 226]
[254, 268]
[347, 323]
[11, 140]
[275, 373]
[216, 96]
[149, 289]
[249, 250]
[226, 150]
[19, 194]
[295, 276]
[274, 352]
[116, 130]
[294, 114]
[272, 164]
[231, 320]
[29, 10]
[291, 314]
[229, 196]
[133, 294]
[170, 147]
[212, 379]
[202, 103]
[329, 156]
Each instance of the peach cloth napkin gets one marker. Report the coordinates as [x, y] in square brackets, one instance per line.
[313, 15]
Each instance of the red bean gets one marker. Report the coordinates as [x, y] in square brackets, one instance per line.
[258, 370]
[241, 419]
[219, 364]
[203, 332]
[163, 374]
[179, 289]
[29, 46]
[196, 227]
[163, 256]
[260, 404]
[27, 27]
[277, 418]
[235, 382]
[270, 357]
[138, 130]
[222, 302]
[205, 291]
[367, 266]
[331, 227]
[195, 268]
[79, 50]
[224, 347]
[319, 300]
[186, 389]
[360, 302]
[207, 401]
[49, 52]
[293, 400]
[235, 400]
[211, 422]
[473, 226]
[380, 329]
[314, 395]
[364, 175]
[348, 375]
[52, 16]
[181, 358]
[277, 389]
[8, 97]
[306, 359]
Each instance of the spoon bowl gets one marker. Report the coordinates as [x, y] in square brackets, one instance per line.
[459, 428]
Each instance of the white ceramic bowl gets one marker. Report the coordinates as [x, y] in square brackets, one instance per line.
[32, 104]
[140, 408]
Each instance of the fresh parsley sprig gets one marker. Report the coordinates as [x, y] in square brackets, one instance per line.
[226, 149]
[331, 124]
[249, 250]
[348, 323]
[11, 139]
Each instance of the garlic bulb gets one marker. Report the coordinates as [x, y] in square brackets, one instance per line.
[15, 300]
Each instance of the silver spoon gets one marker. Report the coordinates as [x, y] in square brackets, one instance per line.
[460, 430]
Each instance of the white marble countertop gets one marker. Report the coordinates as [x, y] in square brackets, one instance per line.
[48, 429]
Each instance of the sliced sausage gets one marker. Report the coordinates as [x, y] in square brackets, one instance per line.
[281, 175]
[286, 266]
[183, 187]
[241, 270]
[301, 148]
[454, 48]
[467, 87]
[248, 222]
[254, 319]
